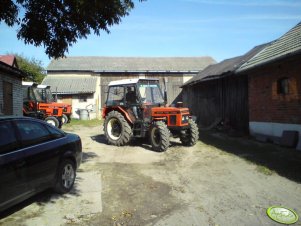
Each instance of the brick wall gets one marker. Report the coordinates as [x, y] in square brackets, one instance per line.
[17, 93]
[265, 103]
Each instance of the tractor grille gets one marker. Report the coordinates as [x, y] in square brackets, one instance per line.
[173, 120]
[65, 110]
[55, 111]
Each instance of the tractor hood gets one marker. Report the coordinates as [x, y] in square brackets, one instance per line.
[169, 110]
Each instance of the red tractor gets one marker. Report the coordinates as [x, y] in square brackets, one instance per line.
[47, 97]
[34, 106]
[136, 108]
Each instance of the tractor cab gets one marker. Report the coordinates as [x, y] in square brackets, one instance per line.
[136, 108]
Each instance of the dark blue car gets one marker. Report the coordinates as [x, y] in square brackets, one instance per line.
[34, 156]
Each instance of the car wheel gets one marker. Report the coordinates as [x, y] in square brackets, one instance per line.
[65, 176]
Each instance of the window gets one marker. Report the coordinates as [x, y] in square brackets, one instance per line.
[8, 141]
[32, 132]
[55, 133]
[115, 95]
[283, 86]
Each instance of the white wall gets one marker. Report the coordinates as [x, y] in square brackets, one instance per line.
[274, 129]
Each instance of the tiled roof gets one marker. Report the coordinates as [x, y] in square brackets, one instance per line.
[130, 64]
[225, 67]
[288, 44]
[8, 59]
[70, 85]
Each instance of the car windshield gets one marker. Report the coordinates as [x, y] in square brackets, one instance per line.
[150, 93]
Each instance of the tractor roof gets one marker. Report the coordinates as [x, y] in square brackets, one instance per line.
[131, 81]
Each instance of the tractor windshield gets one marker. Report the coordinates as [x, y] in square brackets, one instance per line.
[46, 95]
[34, 94]
[150, 93]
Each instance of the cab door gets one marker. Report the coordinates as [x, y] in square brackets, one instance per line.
[13, 181]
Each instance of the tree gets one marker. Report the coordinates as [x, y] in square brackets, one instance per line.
[32, 67]
[57, 24]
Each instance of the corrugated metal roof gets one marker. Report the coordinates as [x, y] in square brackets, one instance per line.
[130, 64]
[288, 44]
[225, 67]
[70, 85]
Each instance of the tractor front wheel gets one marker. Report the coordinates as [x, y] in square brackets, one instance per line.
[52, 121]
[191, 134]
[117, 130]
[159, 136]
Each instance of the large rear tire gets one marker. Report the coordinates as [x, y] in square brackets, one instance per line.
[52, 121]
[191, 135]
[117, 130]
[159, 136]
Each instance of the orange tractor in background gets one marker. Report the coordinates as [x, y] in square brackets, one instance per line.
[136, 108]
[34, 106]
[47, 97]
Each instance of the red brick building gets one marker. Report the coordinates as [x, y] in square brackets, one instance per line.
[274, 87]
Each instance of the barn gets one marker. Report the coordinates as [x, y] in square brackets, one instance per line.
[83, 81]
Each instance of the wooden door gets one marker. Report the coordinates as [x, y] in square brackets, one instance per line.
[8, 98]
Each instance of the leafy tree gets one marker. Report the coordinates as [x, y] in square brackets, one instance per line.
[32, 67]
[57, 24]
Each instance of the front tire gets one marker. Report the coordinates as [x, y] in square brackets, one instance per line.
[191, 134]
[117, 130]
[64, 119]
[159, 136]
[65, 176]
[52, 121]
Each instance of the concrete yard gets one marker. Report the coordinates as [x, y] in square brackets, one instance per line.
[219, 181]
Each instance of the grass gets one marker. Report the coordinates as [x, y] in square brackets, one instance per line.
[264, 170]
[85, 123]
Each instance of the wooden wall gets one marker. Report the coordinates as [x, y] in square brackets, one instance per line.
[225, 98]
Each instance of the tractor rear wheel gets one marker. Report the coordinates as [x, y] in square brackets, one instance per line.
[117, 130]
[191, 135]
[159, 136]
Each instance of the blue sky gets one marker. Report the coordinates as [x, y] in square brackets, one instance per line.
[218, 28]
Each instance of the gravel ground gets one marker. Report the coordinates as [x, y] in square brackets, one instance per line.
[219, 181]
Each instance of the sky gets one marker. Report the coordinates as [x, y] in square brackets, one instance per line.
[221, 29]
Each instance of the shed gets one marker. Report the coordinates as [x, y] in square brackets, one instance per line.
[274, 88]
[11, 99]
[218, 95]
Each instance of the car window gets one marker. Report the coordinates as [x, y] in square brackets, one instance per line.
[55, 133]
[8, 141]
[32, 132]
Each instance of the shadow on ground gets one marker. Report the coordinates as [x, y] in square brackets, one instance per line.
[286, 162]
[42, 198]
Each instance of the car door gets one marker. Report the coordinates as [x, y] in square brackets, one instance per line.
[13, 183]
[41, 153]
